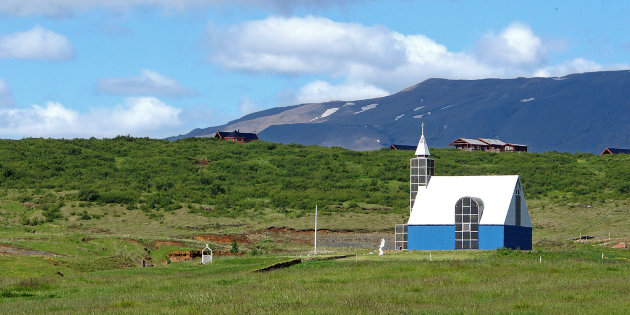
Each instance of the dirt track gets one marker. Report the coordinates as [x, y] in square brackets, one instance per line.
[326, 238]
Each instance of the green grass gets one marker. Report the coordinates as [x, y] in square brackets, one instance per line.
[100, 206]
[455, 282]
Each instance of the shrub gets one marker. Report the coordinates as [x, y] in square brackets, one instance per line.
[234, 248]
[85, 215]
[88, 195]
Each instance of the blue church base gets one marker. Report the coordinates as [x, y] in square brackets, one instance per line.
[442, 237]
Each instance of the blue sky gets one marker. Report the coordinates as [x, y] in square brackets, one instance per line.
[83, 68]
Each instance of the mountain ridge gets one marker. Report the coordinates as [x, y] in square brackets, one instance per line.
[583, 112]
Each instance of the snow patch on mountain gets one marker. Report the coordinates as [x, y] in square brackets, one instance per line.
[399, 117]
[447, 106]
[348, 104]
[418, 108]
[367, 107]
[525, 100]
[418, 116]
[329, 112]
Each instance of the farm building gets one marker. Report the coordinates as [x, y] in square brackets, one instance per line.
[615, 151]
[236, 136]
[484, 144]
[463, 212]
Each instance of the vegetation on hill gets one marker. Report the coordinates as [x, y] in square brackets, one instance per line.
[225, 178]
[78, 215]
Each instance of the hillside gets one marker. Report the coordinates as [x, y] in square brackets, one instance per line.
[576, 113]
[229, 177]
[80, 218]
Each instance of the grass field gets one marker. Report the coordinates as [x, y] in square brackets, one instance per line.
[79, 219]
[403, 282]
[99, 259]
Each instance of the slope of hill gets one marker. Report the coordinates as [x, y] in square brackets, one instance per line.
[576, 113]
[229, 177]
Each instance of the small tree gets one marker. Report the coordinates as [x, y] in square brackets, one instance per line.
[234, 249]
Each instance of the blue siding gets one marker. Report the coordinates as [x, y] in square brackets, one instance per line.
[491, 236]
[442, 237]
[436, 237]
[518, 237]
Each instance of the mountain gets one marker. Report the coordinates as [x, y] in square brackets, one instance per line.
[576, 113]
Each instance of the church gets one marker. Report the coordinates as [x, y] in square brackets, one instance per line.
[462, 212]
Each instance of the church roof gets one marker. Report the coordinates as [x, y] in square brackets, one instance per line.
[435, 203]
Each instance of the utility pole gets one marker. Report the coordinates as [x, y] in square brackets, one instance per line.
[315, 252]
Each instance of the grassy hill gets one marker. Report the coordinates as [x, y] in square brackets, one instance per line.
[230, 177]
[77, 217]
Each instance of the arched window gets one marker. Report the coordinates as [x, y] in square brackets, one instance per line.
[468, 211]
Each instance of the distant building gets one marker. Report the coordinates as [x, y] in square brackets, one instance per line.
[615, 151]
[236, 136]
[490, 145]
[402, 147]
[463, 212]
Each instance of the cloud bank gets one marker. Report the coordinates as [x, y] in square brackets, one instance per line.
[38, 43]
[321, 91]
[140, 116]
[148, 83]
[374, 59]
[63, 8]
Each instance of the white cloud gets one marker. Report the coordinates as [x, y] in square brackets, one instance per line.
[577, 65]
[371, 56]
[302, 45]
[148, 83]
[246, 106]
[515, 46]
[142, 116]
[320, 91]
[374, 59]
[62, 8]
[6, 99]
[38, 43]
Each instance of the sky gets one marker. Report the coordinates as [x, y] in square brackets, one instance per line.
[158, 68]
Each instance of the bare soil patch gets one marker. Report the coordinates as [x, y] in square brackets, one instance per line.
[223, 238]
[183, 255]
[325, 237]
[12, 250]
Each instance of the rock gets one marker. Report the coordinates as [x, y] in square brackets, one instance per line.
[620, 245]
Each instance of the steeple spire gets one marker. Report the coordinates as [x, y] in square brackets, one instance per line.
[422, 150]
[422, 167]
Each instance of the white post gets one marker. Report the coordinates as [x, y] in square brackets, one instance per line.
[315, 252]
[602, 256]
[541, 259]
[430, 257]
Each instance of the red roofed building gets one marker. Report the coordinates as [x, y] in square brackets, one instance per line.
[236, 136]
[490, 145]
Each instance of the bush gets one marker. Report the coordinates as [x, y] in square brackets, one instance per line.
[88, 195]
[85, 215]
[234, 249]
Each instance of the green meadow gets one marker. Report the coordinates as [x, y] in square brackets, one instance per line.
[79, 217]
[460, 282]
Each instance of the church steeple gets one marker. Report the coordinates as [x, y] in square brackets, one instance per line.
[421, 170]
[422, 150]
